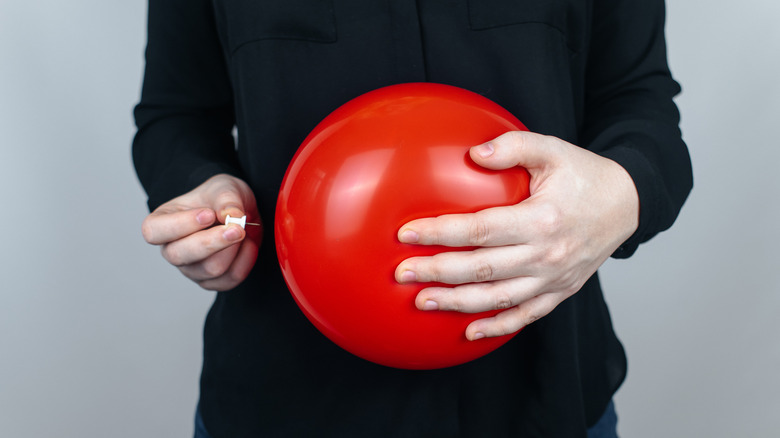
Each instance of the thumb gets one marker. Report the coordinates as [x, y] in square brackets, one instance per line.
[515, 148]
[227, 196]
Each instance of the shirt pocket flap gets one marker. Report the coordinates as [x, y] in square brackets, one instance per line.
[564, 16]
[248, 21]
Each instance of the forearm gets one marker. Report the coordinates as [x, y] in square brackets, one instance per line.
[185, 116]
[178, 152]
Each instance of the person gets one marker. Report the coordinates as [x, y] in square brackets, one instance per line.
[609, 170]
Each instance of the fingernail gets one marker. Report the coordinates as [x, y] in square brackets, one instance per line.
[408, 276]
[478, 335]
[232, 233]
[431, 305]
[232, 210]
[484, 150]
[409, 236]
[205, 217]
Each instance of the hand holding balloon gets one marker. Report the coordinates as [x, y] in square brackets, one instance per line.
[533, 255]
[380, 160]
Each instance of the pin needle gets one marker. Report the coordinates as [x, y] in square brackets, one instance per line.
[239, 221]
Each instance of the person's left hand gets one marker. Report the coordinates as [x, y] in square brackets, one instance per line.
[533, 255]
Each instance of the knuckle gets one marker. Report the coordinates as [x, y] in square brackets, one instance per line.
[483, 272]
[557, 255]
[454, 304]
[433, 269]
[573, 286]
[479, 232]
[215, 269]
[238, 184]
[516, 137]
[434, 274]
[434, 231]
[227, 196]
[434, 236]
[549, 220]
[532, 315]
[532, 318]
[147, 231]
[173, 255]
[502, 301]
[212, 245]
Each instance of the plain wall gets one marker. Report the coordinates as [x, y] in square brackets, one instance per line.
[99, 337]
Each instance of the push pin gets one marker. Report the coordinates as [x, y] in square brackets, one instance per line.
[239, 221]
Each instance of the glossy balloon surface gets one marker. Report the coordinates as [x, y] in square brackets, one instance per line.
[382, 159]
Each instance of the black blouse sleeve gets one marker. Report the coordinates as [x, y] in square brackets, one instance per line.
[630, 116]
[185, 117]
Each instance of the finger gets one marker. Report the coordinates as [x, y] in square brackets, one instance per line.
[479, 297]
[516, 148]
[162, 227]
[201, 245]
[495, 226]
[229, 196]
[239, 270]
[513, 319]
[458, 267]
[211, 267]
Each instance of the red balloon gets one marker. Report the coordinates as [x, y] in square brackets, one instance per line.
[382, 159]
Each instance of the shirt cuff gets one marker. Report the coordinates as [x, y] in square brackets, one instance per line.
[641, 172]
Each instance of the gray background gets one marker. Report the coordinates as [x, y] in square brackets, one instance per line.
[99, 337]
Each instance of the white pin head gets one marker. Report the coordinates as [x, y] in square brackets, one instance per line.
[234, 220]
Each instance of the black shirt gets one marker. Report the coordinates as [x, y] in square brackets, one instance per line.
[592, 72]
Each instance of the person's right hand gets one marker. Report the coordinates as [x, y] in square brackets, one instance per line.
[215, 257]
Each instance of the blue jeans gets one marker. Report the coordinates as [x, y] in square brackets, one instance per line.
[200, 429]
[606, 427]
